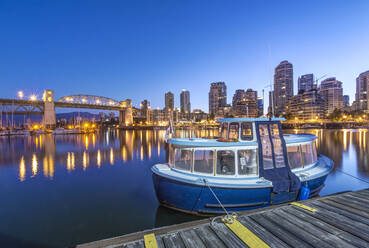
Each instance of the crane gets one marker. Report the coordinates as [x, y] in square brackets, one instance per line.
[316, 81]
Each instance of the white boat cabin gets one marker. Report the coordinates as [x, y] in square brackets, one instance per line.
[236, 153]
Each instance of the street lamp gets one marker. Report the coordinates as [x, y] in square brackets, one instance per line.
[33, 97]
[20, 94]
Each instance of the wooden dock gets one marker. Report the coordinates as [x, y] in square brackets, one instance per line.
[340, 220]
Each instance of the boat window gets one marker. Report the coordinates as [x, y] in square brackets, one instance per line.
[233, 130]
[246, 131]
[203, 161]
[225, 163]
[307, 154]
[224, 130]
[294, 156]
[266, 147]
[277, 145]
[183, 159]
[247, 164]
[315, 155]
[171, 155]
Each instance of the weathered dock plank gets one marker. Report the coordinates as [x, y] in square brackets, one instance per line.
[340, 220]
[209, 238]
[262, 233]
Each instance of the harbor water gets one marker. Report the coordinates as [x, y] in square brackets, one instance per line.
[58, 191]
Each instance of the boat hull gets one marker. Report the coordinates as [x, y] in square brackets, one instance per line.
[199, 199]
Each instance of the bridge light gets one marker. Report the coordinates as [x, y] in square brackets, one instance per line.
[84, 100]
[97, 101]
[20, 94]
[33, 97]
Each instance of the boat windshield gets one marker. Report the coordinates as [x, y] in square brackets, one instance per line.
[302, 155]
[233, 130]
[246, 131]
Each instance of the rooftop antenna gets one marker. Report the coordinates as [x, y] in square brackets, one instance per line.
[270, 71]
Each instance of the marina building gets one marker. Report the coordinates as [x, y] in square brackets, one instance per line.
[332, 93]
[307, 105]
[361, 96]
[346, 101]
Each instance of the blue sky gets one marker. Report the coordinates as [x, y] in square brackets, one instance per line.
[141, 49]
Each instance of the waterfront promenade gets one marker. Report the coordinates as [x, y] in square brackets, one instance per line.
[339, 220]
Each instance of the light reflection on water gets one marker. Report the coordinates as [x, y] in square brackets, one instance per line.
[63, 190]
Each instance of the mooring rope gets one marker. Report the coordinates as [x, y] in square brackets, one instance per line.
[358, 178]
[229, 218]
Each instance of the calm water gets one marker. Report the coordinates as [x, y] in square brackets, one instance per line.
[59, 191]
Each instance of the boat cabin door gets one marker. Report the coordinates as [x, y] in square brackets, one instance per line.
[274, 163]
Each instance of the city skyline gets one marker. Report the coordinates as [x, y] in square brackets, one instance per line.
[96, 57]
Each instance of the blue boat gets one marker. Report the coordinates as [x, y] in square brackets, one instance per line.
[251, 165]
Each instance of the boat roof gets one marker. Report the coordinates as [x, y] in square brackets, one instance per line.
[200, 142]
[250, 119]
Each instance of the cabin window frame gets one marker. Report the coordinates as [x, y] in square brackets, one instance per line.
[256, 150]
[235, 162]
[303, 163]
[302, 157]
[238, 129]
[299, 154]
[252, 131]
[222, 128]
[193, 161]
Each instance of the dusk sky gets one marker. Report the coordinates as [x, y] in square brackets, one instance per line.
[142, 49]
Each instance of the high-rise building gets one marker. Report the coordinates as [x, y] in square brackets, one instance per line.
[283, 86]
[238, 96]
[244, 103]
[217, 97]
[346, 101]
[305, 82]
[146, 110]
[185, 102]
[331, 91]
[307, 105]
[260, 106]
[169, 101]
[361, 96]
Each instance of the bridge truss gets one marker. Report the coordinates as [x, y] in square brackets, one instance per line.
[23, 107]
[89, 99]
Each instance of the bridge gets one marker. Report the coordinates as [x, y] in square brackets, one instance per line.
[47, 106]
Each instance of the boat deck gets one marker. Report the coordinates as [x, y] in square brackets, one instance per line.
[340, 220]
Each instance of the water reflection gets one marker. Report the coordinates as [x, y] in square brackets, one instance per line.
[112, 147]
[80, 178]
[34, 165]
[71, 152]
[22, 169]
